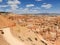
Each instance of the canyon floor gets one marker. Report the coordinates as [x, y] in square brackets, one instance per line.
[46, 26]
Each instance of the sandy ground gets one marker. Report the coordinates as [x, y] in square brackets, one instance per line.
[10, 38]
[7, 37]
[2, 41]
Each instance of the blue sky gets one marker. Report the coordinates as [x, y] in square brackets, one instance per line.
[30, 6]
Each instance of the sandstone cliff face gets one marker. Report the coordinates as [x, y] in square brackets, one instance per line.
[4, 22]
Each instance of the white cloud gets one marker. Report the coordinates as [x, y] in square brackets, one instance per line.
[3, 5]
[14, 4]
[46, 6]
[27, 11]
[38, 0]
[37, 8]
[29, 5]
[1, 0]
[14, 7]
[34, 11]
[24, 11]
